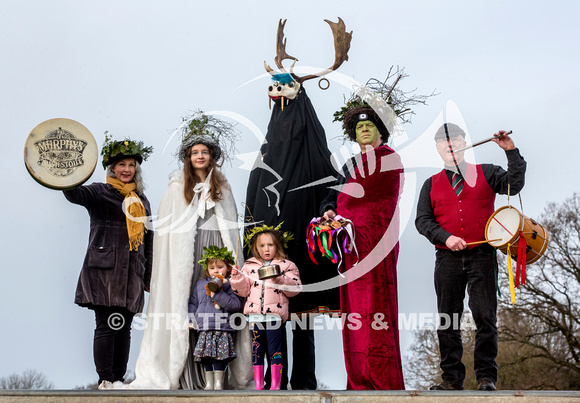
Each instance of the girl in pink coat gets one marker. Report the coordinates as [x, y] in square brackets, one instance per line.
[267, 301]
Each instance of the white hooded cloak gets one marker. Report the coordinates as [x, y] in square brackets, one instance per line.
[165, 343]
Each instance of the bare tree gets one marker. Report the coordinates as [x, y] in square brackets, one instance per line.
[520, 367]
[422, 366]
[29, 379]
[322, 385]
[544, 325]
[89, 386]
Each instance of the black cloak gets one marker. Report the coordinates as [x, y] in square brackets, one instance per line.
[294, 155]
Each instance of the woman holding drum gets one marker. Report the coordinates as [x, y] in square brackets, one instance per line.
[117, 265]
[452, 212]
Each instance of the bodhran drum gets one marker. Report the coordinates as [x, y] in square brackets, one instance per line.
[504, 226]
[60, 154]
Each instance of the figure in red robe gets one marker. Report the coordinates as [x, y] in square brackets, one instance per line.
[370, 183]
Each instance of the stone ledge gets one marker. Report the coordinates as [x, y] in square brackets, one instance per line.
[321, 396]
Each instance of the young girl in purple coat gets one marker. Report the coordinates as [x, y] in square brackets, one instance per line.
[212, 314]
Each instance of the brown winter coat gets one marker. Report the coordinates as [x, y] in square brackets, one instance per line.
[111, 274]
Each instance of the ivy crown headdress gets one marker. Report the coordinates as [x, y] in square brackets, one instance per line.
[284, 238]
[213, 252]
[218, 135]
[116, 150]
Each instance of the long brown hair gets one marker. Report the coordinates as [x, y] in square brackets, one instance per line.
[190, 179]
[280, 253]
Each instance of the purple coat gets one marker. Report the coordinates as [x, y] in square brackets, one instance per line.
[207, 316]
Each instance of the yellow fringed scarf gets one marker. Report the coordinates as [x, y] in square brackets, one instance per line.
[135, 227]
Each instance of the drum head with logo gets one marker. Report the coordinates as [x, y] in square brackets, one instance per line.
[504, 225]
[60, 154]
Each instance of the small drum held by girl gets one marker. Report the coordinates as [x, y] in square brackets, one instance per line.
[267, 300]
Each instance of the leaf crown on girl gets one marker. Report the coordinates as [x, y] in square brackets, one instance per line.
[251, 235]
[213, 252]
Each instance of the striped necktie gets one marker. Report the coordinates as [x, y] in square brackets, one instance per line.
[457, 183]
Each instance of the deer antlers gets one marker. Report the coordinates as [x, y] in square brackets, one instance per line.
[341, 46]
[280, 51]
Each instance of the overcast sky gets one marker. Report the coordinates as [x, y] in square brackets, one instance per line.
[134, 68]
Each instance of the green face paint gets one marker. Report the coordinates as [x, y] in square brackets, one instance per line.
[367, 133]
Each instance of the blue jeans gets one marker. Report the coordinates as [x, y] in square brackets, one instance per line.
[454, 271]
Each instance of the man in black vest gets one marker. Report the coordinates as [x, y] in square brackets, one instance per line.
[452, 211]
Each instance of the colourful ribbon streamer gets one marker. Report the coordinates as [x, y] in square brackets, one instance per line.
[521, 259]
[511, 275]
[325, 239]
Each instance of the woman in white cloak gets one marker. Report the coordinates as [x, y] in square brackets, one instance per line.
[197, 210]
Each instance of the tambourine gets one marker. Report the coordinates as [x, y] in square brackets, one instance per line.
[60, 154]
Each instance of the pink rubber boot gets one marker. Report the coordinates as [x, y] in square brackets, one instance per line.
[276, 373]
[259, 376]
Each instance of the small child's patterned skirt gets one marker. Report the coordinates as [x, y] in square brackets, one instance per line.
[214, 344]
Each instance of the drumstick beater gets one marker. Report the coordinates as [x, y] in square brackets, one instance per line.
[237, 248]
[487, 240]
[481, 142]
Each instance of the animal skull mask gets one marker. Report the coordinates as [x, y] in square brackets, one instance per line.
[286, 84]
[283, 91]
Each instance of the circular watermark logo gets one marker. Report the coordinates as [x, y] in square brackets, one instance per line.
[116, 321]
[410, 155]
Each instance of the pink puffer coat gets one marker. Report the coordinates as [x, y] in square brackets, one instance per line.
[267, 296]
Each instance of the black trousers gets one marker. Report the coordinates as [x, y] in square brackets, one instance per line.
[454, 271]
[112, 342]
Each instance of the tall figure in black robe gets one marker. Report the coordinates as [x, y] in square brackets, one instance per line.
[282, 188]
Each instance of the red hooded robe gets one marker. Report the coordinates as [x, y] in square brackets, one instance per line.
[370, 328]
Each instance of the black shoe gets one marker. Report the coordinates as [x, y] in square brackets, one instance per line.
[446, 385]
[486, 384]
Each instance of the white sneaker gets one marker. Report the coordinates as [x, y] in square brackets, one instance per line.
[105, 385]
